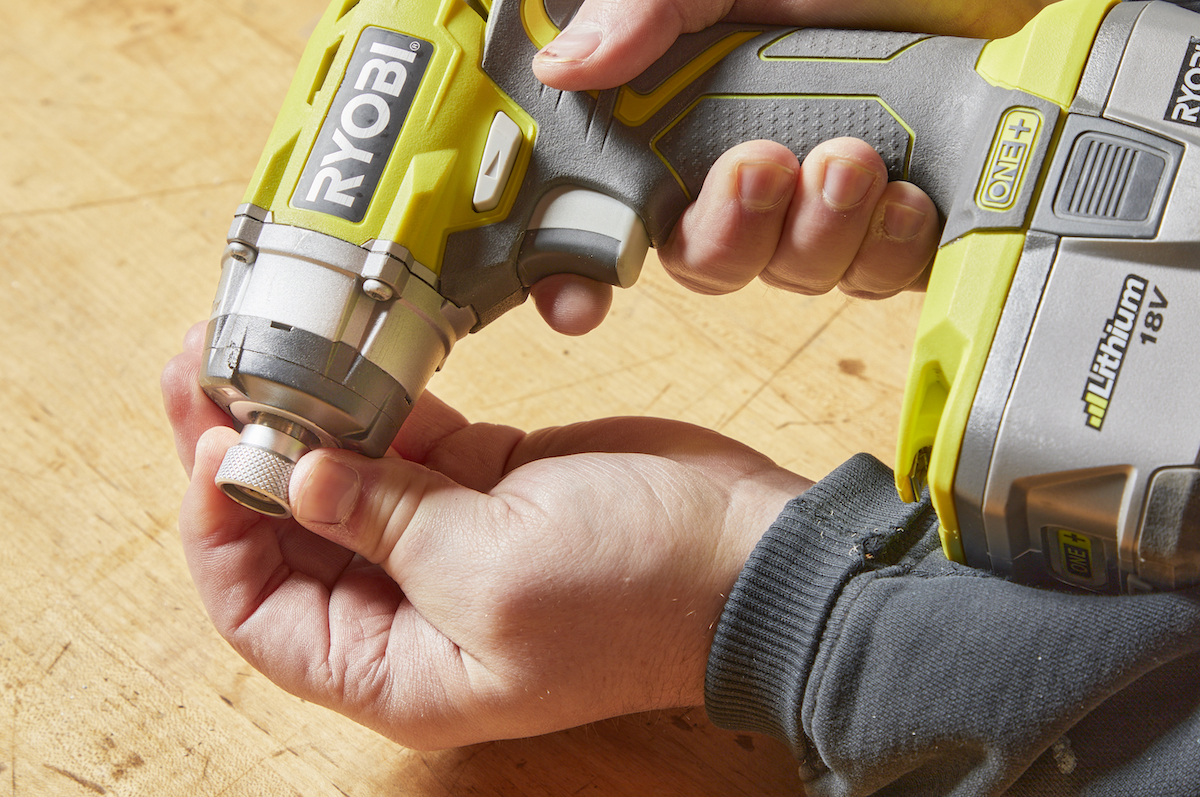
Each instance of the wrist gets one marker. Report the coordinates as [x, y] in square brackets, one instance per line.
[754, 506]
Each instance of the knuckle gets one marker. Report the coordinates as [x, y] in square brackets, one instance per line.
[708, 280]
[692, 16]
[805, 282]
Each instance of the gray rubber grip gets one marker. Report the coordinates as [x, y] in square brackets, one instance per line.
[917, 99]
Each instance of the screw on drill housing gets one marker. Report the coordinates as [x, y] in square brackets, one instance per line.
[255, 472]
[379, 291]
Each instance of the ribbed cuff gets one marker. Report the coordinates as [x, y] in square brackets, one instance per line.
[772, 625]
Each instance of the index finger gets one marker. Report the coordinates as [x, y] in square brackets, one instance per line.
[188, 410]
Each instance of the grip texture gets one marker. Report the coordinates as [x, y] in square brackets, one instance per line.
[715, 124]
[917, 99]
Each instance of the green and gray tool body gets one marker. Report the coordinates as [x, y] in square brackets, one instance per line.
[420, 179]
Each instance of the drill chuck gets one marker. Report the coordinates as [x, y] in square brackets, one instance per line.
[257, 470]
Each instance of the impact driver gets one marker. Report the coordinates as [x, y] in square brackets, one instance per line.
[419, 179]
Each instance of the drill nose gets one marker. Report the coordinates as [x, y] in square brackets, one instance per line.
[256, 471]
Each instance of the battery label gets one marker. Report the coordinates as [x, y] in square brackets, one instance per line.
[1111, 351]
[1076, 551]
[362, 126]
[1008, 160]
[1078, 558]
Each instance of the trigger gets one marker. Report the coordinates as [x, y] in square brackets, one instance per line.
[580, 231]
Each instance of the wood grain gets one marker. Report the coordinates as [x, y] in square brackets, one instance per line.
[128, 130]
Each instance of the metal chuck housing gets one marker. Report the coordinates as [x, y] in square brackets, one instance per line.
[314, 342]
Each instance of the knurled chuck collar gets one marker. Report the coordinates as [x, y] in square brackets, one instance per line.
[257, 470]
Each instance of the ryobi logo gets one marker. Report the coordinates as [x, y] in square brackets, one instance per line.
[1185, 105]
[362, 125]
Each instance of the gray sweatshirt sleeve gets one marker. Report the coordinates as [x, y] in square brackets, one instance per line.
[890, 670]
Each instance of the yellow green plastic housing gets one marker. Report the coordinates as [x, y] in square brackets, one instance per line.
[971, 276]
[426, 189]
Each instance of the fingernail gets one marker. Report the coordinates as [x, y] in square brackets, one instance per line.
[762, 185]
[329, 493]
[846, 183]
[900, 222]
[576, 43]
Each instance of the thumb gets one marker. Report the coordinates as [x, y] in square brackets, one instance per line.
[369, 505]
[610, 42]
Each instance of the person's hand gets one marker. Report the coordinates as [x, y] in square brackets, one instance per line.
[479, 583]
[833, 221]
